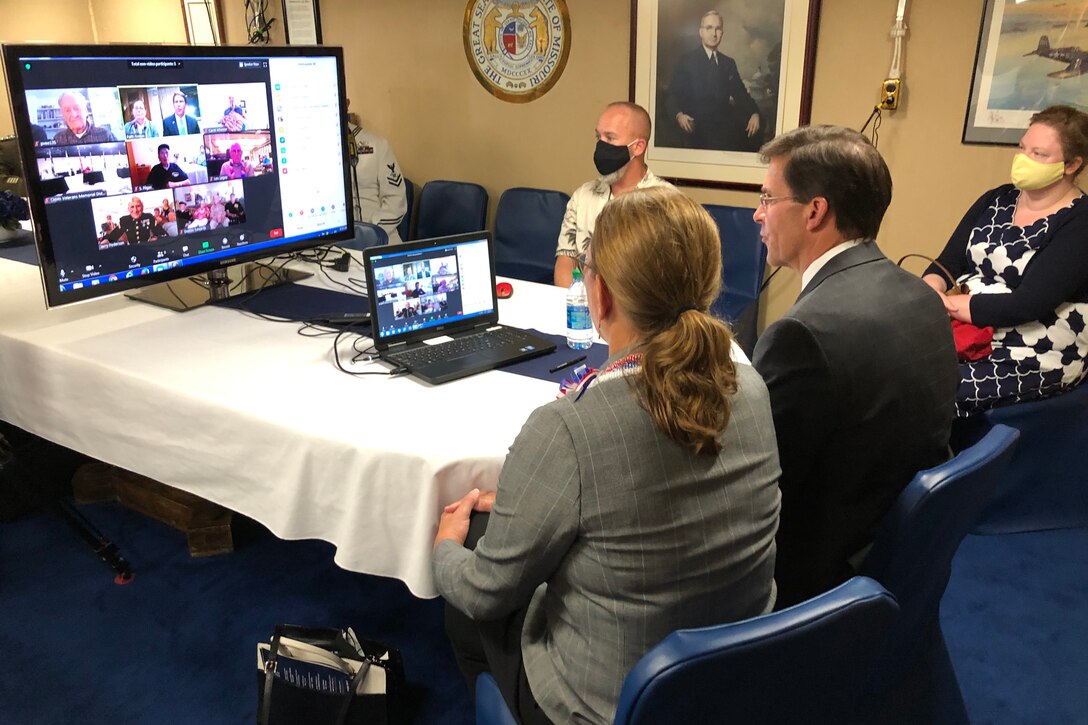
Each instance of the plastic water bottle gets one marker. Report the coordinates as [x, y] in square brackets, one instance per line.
[579, 326]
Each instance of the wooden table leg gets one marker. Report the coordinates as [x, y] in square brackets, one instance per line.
[206, 525]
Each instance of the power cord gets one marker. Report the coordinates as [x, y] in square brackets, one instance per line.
[878, 115]
[359, 355]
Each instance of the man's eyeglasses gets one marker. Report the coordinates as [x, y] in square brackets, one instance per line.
[583, 265]
[765, 199]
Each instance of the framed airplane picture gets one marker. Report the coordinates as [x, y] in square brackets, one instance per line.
[1031, 55]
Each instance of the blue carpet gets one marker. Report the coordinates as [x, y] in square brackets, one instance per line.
[1015, 617]
[177, 644]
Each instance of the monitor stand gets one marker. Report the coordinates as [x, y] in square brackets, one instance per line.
[218, 285]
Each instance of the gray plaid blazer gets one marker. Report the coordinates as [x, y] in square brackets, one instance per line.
[614, 536]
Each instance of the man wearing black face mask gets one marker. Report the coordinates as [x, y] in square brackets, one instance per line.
[622, 133]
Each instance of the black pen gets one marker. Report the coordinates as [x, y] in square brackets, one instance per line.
[566, 364]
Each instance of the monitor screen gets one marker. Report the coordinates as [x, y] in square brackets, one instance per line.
[430, 283]
[150, 163]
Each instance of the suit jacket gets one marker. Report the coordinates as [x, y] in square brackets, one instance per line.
[716, 97]
[170, 125]
[631, 535]
[862, 374]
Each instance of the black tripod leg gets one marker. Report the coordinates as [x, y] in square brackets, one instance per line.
[103, 547]
[32, 466]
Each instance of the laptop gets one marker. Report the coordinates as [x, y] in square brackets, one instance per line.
[434, 311]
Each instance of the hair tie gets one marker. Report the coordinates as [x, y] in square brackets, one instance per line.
[681, 311]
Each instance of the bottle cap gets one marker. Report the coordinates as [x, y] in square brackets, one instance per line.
[576, 275]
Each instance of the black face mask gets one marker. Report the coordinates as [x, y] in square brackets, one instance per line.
[609, 159]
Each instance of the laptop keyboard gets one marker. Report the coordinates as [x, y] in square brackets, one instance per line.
[424, 355]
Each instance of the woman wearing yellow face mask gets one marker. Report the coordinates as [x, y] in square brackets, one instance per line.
[1022, 249]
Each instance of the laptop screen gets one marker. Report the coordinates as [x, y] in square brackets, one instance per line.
[430, 286]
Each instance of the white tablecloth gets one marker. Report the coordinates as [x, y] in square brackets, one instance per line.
[248, 414]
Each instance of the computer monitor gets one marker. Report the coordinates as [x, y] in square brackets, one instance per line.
[146, 164]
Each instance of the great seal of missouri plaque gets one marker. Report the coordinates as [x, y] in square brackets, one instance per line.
[517, 50]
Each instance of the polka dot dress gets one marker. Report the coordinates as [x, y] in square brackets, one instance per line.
[1034, 359]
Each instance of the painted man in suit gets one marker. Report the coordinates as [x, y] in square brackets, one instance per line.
[707, 97]
[180, 123]
[861, 370]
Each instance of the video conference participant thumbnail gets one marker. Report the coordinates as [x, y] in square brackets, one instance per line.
[419, 307]
[70, 116]
[101, 169]
[139, 124]
[204, 207]
[79, 122]
[166, 174]
[161, 163]
[184, 110]
[244, 107]
[239, 155]
[134, 224]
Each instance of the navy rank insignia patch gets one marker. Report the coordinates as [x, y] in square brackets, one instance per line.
[517, 50]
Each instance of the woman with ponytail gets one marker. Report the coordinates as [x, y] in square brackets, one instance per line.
[642, 502]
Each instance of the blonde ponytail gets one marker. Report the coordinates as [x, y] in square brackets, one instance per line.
[660, 255]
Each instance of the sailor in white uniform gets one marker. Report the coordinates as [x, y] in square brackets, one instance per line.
[377, 186]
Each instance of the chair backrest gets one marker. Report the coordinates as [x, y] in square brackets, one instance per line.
[744, 257]
[450, 207]
[806, 663]
[404, 229]
[912, 554]
[367, 235]
[491, 709]
[527, 223]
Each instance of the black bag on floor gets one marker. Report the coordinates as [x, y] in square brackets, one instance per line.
[326, 676]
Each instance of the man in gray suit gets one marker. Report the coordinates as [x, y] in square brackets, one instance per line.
[861, 370]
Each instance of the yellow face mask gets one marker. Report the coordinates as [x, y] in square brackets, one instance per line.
[1029, 174]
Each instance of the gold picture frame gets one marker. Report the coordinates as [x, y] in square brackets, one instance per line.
[770, 45]
[517, 50]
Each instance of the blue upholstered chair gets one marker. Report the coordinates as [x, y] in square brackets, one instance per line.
[912, 558]
[404, 229]
[802, 664]
[366, 235]
[527, 223]
[1046, 486]
[744, 257]
[450, 207]
[491, 709]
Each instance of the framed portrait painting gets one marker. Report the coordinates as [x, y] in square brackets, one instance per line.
[1030, 55]
[719, 81]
